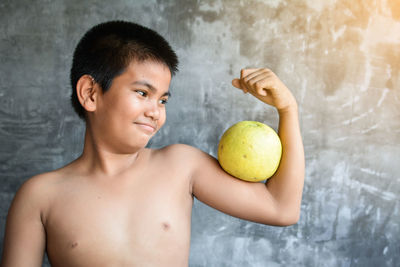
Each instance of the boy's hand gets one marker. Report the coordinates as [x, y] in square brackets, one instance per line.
[266, 86]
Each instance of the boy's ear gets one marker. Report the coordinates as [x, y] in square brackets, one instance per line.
[87, 92]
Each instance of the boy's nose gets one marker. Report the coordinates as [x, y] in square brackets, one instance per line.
[152, 110]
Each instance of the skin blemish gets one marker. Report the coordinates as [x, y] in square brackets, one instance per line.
[166, 226]
[75, 244]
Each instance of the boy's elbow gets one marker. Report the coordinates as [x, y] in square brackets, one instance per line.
[284, 220]
[291, 220]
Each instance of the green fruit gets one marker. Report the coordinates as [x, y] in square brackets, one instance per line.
[250, 150]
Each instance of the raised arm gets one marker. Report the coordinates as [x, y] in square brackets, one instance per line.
[24, 241]
[276, 202]
[286, 186]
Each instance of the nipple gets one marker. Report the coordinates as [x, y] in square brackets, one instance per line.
[166, 226]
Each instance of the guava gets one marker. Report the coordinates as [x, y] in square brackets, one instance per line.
[250, 151]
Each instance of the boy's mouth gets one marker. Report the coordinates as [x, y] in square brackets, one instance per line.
[147, 127]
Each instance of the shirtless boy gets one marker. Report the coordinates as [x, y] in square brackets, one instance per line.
[121, 204]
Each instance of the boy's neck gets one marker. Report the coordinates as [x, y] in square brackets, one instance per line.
[98, 160]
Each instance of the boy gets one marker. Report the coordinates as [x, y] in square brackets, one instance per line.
[121, 204]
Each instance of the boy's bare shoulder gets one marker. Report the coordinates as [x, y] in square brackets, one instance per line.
[38, 189]
[176, 148]
[41, 182]
[181, 152]
[187, 158]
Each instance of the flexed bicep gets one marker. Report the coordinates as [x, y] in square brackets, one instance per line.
[245, 200]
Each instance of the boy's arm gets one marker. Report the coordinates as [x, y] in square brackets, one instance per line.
[24, 241]
[278, 201]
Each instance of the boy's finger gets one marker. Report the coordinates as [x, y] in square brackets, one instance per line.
[245, 72]
[236, 83]
[244, 86]
[260, 83]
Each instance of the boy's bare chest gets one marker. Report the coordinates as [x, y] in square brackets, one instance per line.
[124, 224]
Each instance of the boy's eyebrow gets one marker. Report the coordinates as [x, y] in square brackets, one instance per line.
[150, 87]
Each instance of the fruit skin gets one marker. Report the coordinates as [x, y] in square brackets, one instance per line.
[250, 151]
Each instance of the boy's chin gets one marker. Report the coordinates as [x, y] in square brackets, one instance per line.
[140, 142]
[144, 143]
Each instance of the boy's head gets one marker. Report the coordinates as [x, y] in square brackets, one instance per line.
[106, 50]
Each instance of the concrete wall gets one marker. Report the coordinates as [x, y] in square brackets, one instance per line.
[341, 59]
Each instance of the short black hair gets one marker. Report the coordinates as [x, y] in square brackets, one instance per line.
[108, 48]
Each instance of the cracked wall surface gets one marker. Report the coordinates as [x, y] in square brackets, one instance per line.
[340, 58]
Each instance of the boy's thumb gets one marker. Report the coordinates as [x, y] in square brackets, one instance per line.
[236, 83]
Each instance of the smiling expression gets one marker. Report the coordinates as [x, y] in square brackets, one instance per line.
[133, 109]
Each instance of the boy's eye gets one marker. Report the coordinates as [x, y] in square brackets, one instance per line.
[163, 101]
[140, 92]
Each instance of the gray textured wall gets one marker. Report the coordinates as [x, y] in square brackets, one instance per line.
[341, 59]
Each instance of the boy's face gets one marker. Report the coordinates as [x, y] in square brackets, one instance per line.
[133, 109]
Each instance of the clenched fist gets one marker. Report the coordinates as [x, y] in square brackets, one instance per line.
[266, 86]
